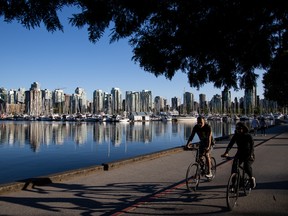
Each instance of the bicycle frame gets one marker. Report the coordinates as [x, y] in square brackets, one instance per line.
[198, 168]
[236, 182]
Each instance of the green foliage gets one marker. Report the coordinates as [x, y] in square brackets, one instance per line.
[276, 80]
[221, 41]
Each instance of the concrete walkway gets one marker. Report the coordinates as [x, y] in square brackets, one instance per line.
[134, 187]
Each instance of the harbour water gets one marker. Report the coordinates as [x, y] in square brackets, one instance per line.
[36, 148]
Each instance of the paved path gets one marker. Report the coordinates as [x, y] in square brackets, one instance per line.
[156, 187]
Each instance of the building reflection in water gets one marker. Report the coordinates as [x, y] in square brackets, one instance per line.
[59, 133]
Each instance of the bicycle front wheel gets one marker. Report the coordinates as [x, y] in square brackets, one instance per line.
[193, 176]
[232, 192]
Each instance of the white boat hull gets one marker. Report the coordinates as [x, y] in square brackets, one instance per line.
[186, 118]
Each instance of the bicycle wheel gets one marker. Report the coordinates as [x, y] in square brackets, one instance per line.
[192, 176]
[232, 190]
[246, 185]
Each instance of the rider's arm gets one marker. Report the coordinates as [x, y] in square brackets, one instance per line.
[230, 145]
[191, 136]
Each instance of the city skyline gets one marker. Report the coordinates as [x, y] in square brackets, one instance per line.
[68, 60]
[109, 92]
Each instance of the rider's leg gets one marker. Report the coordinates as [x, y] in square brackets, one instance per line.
[209, 165]
[235, 164]
[208, 159]
[248, 170]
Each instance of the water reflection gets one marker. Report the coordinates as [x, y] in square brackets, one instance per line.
[46, 133]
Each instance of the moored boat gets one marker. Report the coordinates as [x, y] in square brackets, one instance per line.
[185, 118]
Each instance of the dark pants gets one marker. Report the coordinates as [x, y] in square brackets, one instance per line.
[247, 165]
[263, 130]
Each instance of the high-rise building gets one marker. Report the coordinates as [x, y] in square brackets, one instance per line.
[226, 101]
[35, 86]
[188, 103]
[11, 96]
[58, 98]
[216, 104]
[236, 106]
[116, 101]
[175, 103]
[33, 100]
[108, 103]
[146, 101]
[81, 98]
[202, 103]
[20, 96]
[128, 101]
[132, 101]
[47, 102]
[159, 104]
[250, 100]
[98, 101]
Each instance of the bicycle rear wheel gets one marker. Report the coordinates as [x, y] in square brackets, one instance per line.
[192, 176]
[232, 192]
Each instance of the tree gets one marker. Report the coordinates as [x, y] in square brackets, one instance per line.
[275, 80]
[220, 41]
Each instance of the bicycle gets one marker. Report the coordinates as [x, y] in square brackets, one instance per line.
[197, 169]
[238, 181]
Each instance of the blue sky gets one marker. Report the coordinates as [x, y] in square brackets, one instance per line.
[69, 60]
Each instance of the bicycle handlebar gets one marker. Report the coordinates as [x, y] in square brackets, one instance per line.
[192, 147]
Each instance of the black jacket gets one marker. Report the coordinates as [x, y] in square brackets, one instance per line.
[245, 145]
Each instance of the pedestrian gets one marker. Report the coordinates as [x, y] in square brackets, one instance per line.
[204, 132]
[245, 151]
[255, 125]
[263, 126]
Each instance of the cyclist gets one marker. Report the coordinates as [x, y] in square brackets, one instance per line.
[245, 150]
[204, 132]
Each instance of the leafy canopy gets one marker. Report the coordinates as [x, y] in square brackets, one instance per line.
[276, 80]
[218, 41]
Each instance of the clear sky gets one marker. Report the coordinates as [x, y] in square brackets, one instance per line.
[69, 60]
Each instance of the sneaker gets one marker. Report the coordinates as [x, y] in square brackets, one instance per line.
[253, 182]
[210, 175]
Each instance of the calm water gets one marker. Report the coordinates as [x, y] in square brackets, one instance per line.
[31, 149]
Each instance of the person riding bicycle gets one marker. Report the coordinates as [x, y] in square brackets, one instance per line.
[204, 132]
[245, 151]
